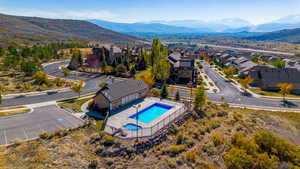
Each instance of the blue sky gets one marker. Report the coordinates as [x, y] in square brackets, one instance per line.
[255, 11]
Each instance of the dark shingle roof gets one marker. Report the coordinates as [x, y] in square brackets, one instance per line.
[123, 88]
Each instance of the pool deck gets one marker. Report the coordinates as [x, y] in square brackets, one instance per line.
[118, 120]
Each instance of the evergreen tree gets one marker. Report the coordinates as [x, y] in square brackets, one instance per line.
[2, 51]
[13, 50]
[164, 91]
[30, 67]
[177, 96]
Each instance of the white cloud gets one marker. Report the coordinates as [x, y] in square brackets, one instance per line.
[67, 14]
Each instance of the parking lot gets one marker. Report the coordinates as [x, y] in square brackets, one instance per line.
[31, 125]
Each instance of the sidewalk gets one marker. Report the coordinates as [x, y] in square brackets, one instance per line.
[211, 87]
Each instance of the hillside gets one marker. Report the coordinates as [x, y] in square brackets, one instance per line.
[34, 29]
[287, 35]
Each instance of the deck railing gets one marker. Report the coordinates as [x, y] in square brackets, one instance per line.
[148, 131]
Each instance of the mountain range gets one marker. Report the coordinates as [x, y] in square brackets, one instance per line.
[34, 29]
[229, 25]
[286, 35]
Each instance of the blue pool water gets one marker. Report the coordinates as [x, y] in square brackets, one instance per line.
[151, 113]
[132, 127]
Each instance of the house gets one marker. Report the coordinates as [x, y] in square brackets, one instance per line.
[245, 67]
[182, 68]
[119, 94]
[110, 53]
[268, 77]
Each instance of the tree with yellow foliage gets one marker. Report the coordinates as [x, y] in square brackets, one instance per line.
[285, 89]
[147, 76]
[245, 83]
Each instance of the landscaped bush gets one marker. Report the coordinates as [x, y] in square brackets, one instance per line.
[155, 92]
[211, 84]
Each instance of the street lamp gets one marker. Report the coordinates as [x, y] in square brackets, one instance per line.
[137, 121]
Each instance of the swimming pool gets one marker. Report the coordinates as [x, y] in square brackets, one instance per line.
[132, 127]
[151, 113]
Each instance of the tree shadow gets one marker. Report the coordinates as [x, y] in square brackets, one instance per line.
[288, 104]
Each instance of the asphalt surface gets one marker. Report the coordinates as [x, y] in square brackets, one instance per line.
[31, 125]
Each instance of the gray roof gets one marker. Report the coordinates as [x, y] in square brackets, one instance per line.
[240, 60]
[122, 88]
[175, 56]
[246, 66]
[276, 75]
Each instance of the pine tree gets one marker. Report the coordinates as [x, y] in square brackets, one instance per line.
[177, 96]
[164, 92]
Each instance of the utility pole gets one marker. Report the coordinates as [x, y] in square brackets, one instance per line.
[137, 121]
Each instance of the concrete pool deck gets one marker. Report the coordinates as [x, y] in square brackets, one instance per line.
[120, 119]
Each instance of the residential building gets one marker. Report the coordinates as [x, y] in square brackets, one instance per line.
[182, 68]
[268, 77]
[119, 94]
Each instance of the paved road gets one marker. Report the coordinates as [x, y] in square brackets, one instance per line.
[238, 48]
[233, 95]
[31, 125]
[91, 86]
[250, 50]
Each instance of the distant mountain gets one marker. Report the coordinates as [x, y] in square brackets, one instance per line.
[287, 35]
[145, 27]
[30, 29]
[288, 22]
[211, 26]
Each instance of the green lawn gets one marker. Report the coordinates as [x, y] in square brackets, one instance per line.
[74, 104]
[13, 112]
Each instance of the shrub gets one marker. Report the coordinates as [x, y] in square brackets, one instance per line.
[273, 145]
[121, 68]
[59, 82]
[41, 77]
[190, 156]
[217, 139]
[155, 92]
[173, 150]
[107, 140]
[93, 164]
[238, 159]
